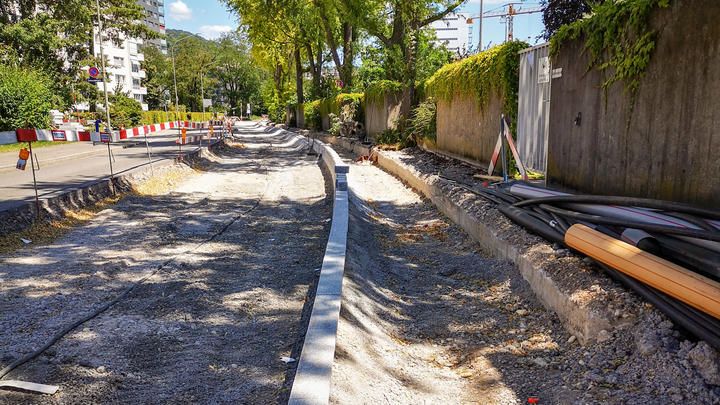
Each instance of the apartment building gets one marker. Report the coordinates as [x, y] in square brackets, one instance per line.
[123, 65]
[454, 32]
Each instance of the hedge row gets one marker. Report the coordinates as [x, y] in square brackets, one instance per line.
[494, 71]
[157, 116]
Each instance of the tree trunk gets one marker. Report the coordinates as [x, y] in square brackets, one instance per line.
[300, 112]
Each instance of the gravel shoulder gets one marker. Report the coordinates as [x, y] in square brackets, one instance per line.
[428, 317]
[212, 325]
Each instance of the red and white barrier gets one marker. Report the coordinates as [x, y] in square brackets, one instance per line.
[7, 137]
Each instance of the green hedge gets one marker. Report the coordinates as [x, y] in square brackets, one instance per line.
[333, 105]
[312, 115]
[158, 116]
[25, 99]
[488, 73]
[377, 90]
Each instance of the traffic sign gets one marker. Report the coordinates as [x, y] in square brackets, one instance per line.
[94, 80]
[93, 71]
[58, 135]
[104, 137]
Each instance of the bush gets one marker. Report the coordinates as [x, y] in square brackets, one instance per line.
[312, 115]
[125, 112]
[422, 123]
[394, 138]
[380, 89]
[25, 99]
[490, 73]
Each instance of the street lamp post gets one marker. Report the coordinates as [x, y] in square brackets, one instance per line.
[480, 19]
[172, 56]
[107, 107]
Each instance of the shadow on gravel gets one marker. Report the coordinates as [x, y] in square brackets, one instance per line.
[210, 327]
[420, 287]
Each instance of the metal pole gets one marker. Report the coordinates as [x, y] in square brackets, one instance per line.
[172, 54]
[147, 148]
[202, 101]
[102, 61]
[32, 163]
[480, 42]
[502, 149]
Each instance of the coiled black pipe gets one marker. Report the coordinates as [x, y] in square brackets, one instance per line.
[598, 219]
[690, 319]
[626, 201]
[533, 224]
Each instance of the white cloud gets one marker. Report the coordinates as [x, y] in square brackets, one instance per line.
[214, 31]
[179, 11]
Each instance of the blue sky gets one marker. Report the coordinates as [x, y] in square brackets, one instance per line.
[210, 18]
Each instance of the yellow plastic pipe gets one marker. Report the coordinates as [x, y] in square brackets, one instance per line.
[678, 282]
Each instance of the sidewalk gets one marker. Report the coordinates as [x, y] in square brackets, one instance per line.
[49, 154]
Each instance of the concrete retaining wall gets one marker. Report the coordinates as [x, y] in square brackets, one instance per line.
[466, 129]
[383, 113]
[665, 145]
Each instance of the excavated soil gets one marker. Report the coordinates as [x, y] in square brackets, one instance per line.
[236, 245]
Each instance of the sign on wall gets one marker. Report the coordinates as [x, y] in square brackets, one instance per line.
[59, 135]
[544, 70]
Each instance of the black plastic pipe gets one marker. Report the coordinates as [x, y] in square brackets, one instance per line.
[626, 201]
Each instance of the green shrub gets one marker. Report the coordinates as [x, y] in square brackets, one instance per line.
[394, 138]
[25, 99]
[484, 75]
[312, 115]
[422, 122]
[377, 90]
[125, 112]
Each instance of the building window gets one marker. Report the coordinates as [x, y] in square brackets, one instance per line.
[120, 79]
[139, 97]
[118, 61]
[136, 84]
[135, 68]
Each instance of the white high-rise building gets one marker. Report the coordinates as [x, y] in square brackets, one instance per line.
[123, 67]
[454, 32]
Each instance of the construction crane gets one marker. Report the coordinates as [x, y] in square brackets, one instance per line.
[509, 11]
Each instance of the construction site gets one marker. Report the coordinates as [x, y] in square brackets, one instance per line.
[525, 225]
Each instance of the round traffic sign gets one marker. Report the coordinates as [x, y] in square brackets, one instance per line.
[93, 71]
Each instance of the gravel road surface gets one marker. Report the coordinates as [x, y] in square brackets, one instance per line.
[212, 324]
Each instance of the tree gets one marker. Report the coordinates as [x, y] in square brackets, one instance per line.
[25, 99]
[158, 77]
[57, 40]
[125, 111]
[557, 13]
[238, 80]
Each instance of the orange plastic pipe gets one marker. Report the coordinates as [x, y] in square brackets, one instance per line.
[678, 282]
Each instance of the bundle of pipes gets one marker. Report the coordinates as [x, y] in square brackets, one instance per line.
[667, 252]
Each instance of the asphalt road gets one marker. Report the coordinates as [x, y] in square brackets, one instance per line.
[78, 165]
